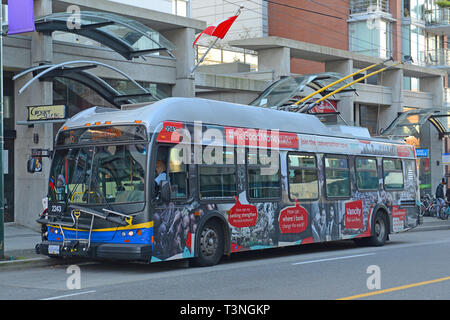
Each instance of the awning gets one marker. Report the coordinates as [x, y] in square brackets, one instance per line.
[79, 73]
[408, 123]
[289, 90]
[127, 37]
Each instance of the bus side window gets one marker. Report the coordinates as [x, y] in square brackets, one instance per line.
[337, 177]
[263, 181]
[217, 175]
[366, 173]
[177, 175]
[303, 182]
[393, 174]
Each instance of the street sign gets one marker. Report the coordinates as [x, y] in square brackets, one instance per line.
[446, 158]
[422, 153]
[42, 113]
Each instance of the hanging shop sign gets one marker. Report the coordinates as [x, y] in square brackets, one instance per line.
[446, 158]
[51, 112]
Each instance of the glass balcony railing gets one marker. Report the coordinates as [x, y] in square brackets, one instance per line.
[437, 58]
[437, 17]
[447, 96]
[365, 6]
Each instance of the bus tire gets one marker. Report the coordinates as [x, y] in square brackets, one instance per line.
[379, 230]
[211, 244]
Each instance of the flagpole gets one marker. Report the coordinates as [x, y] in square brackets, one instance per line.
[204, 55]
[212, 45]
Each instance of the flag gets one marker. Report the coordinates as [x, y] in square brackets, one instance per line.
[218, 31]
[20, 16]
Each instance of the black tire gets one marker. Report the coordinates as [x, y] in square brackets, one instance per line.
[211, 245]
[379, 230]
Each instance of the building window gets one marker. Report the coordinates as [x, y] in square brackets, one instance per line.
[218, 56]
[368, 118]
[372, 39]
[180, 8]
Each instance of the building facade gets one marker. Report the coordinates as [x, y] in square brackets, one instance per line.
[356, 33]
[269, 40]
[133, 71]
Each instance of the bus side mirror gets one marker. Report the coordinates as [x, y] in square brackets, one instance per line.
[165, 191]
[31, 165]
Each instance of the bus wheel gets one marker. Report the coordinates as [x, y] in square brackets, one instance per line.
[380, 230]
[211, 244]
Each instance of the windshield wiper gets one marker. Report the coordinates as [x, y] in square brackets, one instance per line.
[83, 176]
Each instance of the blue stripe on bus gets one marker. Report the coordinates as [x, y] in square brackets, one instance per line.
[108, 236]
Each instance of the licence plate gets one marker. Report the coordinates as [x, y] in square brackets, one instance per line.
[53, 249]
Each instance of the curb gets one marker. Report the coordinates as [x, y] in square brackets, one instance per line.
[430, 228]
[18, 262]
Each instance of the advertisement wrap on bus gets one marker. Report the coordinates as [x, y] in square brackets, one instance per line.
[227, 187]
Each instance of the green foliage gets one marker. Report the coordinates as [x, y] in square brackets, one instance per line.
[443, 3]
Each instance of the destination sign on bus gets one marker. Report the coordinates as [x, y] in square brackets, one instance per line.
[102, 134]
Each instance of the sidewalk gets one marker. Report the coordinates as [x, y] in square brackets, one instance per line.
[21, 241]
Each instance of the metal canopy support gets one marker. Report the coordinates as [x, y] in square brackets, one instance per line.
[107, 39]
[62, 65]
[401, 124]
[121, 34]
[79, 74]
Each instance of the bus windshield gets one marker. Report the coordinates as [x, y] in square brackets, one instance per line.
[99, 174]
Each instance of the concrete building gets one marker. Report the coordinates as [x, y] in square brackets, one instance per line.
[166, 72]
[268, 41]
[303, 37]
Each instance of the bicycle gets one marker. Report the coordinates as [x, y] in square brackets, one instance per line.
[444, 212]
[428, 205]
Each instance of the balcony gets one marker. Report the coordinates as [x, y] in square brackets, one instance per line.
[438, 21]
[368, 6]
[437, 58]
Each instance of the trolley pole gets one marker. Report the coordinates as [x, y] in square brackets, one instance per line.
[2, 203]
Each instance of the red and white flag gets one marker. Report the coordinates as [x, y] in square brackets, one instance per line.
[219, 30]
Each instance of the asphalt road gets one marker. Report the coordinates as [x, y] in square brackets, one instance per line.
[410, 266]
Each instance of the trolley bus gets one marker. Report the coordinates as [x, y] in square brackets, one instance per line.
[199, 179]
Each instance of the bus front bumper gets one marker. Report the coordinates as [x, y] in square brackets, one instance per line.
[114, 251]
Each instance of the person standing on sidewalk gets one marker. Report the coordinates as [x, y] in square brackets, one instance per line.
[440, 196]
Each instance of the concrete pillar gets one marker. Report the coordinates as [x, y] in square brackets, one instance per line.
[29, 188]
[185, 55]
[429, 134]
[394, 80]
[346, 99]
[276, 60]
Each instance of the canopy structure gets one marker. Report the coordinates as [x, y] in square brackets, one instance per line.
[127, 37]
[78, 73]
[289, 90]
[408, 123]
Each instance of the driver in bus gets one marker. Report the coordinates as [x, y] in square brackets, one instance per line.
[161, 174]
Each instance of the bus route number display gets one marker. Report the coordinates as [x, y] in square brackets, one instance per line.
[101, 134]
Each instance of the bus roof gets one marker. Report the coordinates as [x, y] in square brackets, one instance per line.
[213, 112]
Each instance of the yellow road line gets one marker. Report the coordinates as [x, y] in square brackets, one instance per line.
[417, 284]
